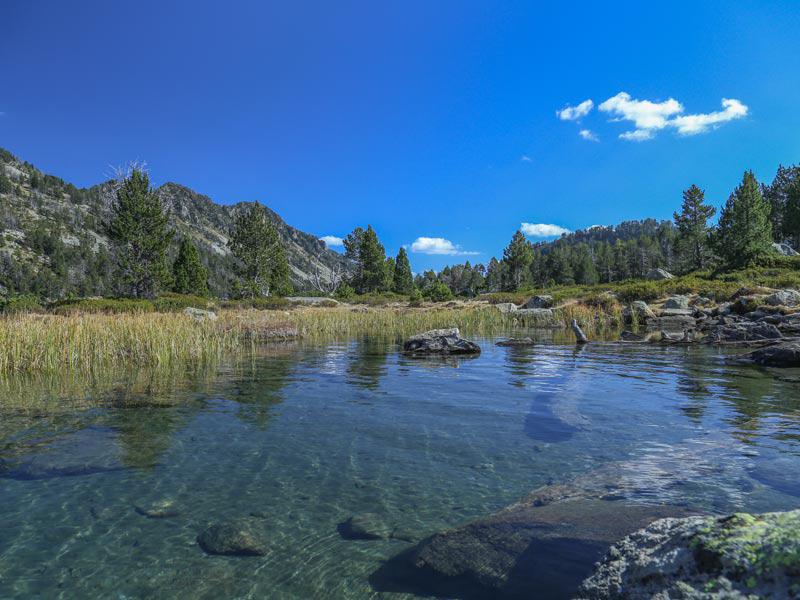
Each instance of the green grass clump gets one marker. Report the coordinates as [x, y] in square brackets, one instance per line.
[116, 306]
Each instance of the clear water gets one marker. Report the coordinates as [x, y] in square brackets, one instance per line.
[307, 436]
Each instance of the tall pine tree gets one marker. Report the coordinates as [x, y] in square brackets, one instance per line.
[139, 232]
[517, 257]
[188, 273]
[791, 219]
[372, 262]
[403, 278]
[744, 233]
[262, 265]
[692, 224]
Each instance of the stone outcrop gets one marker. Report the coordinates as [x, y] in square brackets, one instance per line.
[543, 301]
[790, 298]
[742, 556]
[440, 341]
[506, 307]
[781, 355]
[198, 314]
[744, 331]
[511, 342]
[659, 275]
[677, 302]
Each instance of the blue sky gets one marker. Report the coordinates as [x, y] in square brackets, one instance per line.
[425, 119]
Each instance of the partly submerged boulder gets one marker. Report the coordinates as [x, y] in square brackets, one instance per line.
[781, 355]
[239, 537]
[742, 556]
[744, 331]
[526, 341]
[440, 341]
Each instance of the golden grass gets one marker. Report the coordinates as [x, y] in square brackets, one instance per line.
[52, 343]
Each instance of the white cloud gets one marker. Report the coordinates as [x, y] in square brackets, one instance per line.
[588, 135]
[525, 158]
[430, 245]
[542, 229]
[700, 123]
[573, 113]
[650, 117]
[332, 240]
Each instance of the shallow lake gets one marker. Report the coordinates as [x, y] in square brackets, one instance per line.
[305, 436]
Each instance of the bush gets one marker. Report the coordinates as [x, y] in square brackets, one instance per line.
[345, 292]
[438, 292]
[177, 302]
[641, 290]
[415, 299]
[21, 304]
[381, 299]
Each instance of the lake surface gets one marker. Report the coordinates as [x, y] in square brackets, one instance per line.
[306, 436]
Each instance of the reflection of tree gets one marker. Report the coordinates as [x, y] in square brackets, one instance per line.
[519, 360]
[367, 363]
[692, 385]
[258, 384]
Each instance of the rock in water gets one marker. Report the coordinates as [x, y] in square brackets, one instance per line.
[161, 509]
[746, 331]
[440, 341]
[742, 556]
[364, 526]
[511, 342]
[782, 355]
[659, 275]
[543, 301]
[240, 537]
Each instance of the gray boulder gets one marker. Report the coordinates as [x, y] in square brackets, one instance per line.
[543, 301]
[781, 355]
[738, 557]
[160, 509]
[313, 300]
[790, 298]
[506, 307]
[240, 537]
[440, 341]
[198, 314]
[640, 310]
[538, 316]
[784, 249]
[679, 302]
[659, 275]
[744, 331]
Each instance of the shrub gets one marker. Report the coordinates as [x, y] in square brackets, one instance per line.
[641, 290]
[21, 304]
[439, 292]
[415, 299]
[345, 292]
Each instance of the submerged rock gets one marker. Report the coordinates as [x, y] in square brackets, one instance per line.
[526, 341]
[364, 526]
[782, 355]
[240, 537]
[543, 301]
[160, 509]
[440, 341]
[741, 556]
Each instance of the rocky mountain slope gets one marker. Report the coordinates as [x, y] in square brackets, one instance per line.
[53, 241]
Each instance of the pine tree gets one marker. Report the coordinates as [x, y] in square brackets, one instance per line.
[403, 278]
[388, 271]
[791, 220]
[6, 187]
[262, 265]
[777, 195]
[744, 233]
[139, 232]
[692, 224]
[352, 246]
[371, 261]
[517, 257]
[494, 275]
[188, 273]
[584, 269]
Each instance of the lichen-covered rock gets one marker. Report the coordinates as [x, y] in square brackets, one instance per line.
[782, 355]
[440, 341]
[506, 307]
[677, 302]
[240, 537]
[790, 298]
[543, 301]
[536, 316]
[638, 311]
[198, 314]
[526, 341]
[160, 509]
[742, 556]
[659, 275]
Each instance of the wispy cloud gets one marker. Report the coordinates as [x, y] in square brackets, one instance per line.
[526, 158]
[432, 245]
[542, 229]
[574, 113]
[588, 135]
[332, 240]
[649, 117]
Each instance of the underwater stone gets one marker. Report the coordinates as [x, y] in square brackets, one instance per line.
[240, 537]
